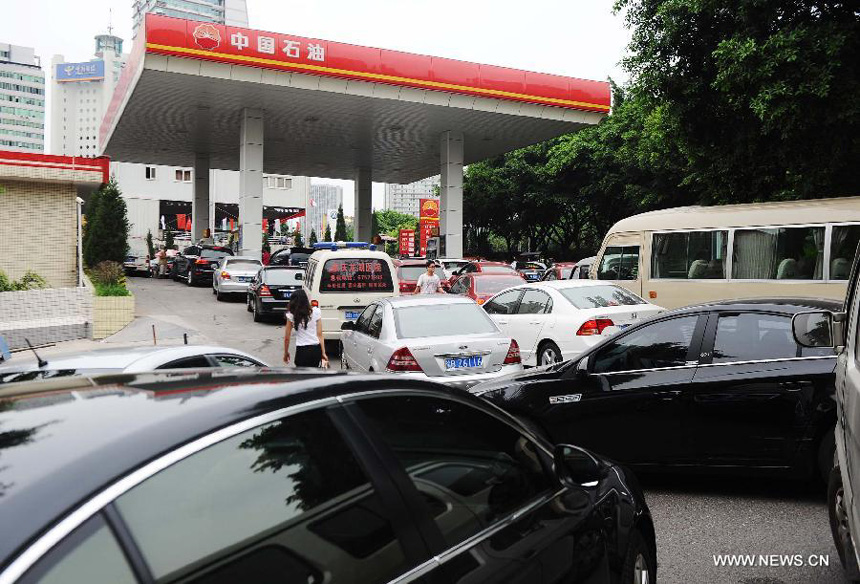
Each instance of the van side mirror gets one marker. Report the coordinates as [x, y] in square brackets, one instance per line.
[818, 329]
[575, 466]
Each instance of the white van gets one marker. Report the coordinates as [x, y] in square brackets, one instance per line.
[343, 278]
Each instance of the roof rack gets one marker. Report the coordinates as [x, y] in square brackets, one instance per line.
[336, 245]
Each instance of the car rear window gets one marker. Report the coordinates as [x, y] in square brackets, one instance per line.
[497, 269]
[410, 272]
[215, 253]
[356, 275]
[441, 320]
[244, 263]
[565, 273]
[600, 296]
[496, 284]
[284, 277]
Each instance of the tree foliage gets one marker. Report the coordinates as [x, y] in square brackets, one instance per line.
[340, 226]
[106, 233]
[729, 102]
[313, 238]
[327, 234]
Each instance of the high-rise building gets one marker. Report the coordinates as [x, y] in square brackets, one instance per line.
[22, 99]
[404, 198]
[81, 94]
[232, 12]
[324, 199]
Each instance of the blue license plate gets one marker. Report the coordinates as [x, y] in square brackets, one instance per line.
[463, 362]
[286, 293]
[622, 326]
[531, 276]
[244, 278]
[351, 314]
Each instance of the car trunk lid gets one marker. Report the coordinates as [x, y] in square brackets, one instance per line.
[460, 354]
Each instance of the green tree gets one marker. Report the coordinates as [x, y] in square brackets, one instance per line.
[759, 95]
[298, 241]
[391, 222]
[107, 227]
[340, 226]
[313, 238]
[150, 246]
[168, 239]
[327, 234]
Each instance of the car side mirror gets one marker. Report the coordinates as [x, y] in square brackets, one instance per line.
[819, 329]
[582, 368]
[575, 466]
[347, 326]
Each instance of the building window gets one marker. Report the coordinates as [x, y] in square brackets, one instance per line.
[182, 175]
[279, 182]
[150, 173]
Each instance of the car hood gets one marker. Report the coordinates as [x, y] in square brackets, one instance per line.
[514, 381]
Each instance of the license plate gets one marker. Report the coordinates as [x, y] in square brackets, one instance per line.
[244, 278]
[286, 293]
[463, 362]
[622, 326]
[351, 314]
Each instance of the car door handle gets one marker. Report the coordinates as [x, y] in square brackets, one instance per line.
[792, 385]
[669, 395]
[534, 322]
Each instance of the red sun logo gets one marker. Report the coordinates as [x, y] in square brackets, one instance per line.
[207, 36]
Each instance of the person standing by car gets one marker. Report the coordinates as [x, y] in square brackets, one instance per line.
[267, 256]
[310, 346]
[162, 262]
[428, 282]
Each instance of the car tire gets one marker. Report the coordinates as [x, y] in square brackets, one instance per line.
[640, 565]
[825, 454]
[219, 296]
[255, 311]
[839, 526]
[548, 354]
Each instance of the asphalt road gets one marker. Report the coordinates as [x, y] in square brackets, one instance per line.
[696, 518]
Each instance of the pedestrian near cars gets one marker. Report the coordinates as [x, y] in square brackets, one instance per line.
[307, 322]
[267, 257]
[429, 282]
[161, 254]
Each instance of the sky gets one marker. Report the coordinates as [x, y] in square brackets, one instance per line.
[579, 38]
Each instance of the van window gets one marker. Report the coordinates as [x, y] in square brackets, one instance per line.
[843, 246]
[692, 255]
[619, 263]
[356, 275]
[783, 253]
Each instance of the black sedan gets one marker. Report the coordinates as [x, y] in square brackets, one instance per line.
[311, 477]
[713, 387]
[196, 264]
[270, 290]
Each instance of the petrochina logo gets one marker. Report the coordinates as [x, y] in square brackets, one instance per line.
[430, 209]
[207, 36]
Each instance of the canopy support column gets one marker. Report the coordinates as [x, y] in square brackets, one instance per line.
[363, 225]
[201, 201]
[251, 183]
[451, 195]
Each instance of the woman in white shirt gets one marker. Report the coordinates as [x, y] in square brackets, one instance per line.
[310, 345]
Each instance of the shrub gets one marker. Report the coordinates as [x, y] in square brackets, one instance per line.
[29, 281]
[111, 290]
[108, 274]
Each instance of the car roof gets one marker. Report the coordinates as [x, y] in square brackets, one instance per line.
[113, 358]
[66, 443]
[771, 304]
[486, 263]
[424, 299]
[284, 267]
[562, 284]
[421, 263]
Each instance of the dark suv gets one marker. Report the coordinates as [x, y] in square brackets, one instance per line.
[258, 476]
[196, 264]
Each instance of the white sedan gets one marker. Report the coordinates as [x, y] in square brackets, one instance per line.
[556, 320]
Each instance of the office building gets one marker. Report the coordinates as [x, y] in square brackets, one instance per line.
[22, 100]
[231, 12]
[404, 198]
[81, 94]
[322, 208]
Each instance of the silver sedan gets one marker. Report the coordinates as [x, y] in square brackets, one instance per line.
[233, 275]
[438, 337]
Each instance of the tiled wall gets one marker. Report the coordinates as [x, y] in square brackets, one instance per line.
[45, 316]
[38, 230]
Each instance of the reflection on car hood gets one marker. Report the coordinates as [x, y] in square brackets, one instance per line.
[514, 379]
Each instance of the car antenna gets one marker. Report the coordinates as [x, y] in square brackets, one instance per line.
[42, 362]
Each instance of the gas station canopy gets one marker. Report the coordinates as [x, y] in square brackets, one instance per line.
[330, 107]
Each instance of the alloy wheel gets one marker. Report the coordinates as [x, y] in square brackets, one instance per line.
[549, 356]
[641, 575]
[842, 517]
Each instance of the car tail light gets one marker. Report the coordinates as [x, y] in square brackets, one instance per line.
[594, 326]
[480, 300]
[315, 303]
[264, 291]
[403, 360]
[225, 276]
[407, 287]
[201, 261]
[513, 356]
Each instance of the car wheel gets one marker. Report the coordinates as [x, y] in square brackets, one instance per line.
[248, 303]
[640, 566]
[255, 310]
[189, 279]
[219, 297]
[548, 354]
[826, 450]
[839, 526]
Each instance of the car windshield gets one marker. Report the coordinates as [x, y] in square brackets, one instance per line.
[213, 254]
[244, 264]
[565, 273]
[496, 269]
[284, 277]
[410, 272]
[453, 265]
[495, 284]
[600, 296]
[441, 320]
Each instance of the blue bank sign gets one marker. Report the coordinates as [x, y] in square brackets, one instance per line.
[89, 71]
